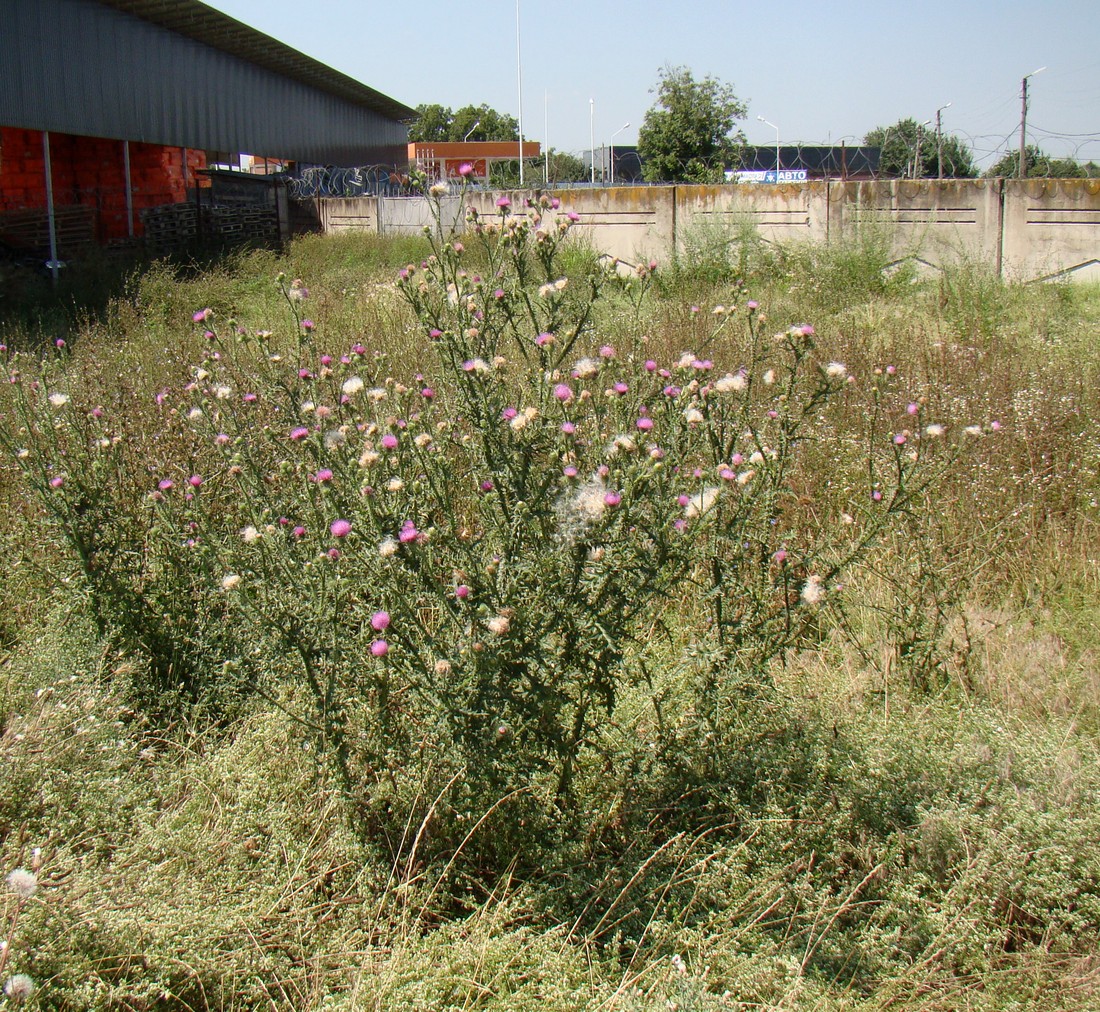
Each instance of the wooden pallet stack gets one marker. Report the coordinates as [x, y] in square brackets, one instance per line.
[178, 228]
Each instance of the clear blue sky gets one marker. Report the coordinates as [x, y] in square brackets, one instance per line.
[822, 72]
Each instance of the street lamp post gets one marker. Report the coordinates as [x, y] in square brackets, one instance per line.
[612, 146]
[776, 129]
[1022, 174]
[939, 141]
[519, 79]
[477, 123]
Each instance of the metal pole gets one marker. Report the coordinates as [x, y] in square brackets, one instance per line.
[1021, 164]
[1022, 168]
[592, 136]
[546, 137]
[50, 218]
[129, 189]
[519, 76]
[612, 145]
[776, 129]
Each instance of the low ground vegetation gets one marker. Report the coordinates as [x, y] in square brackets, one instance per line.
[462, 624]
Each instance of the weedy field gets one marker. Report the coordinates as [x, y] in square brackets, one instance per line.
[465, 623]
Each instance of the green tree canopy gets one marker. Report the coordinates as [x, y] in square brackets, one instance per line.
[688, 135]
[1038, 165]
[566, 168]
[482, 123]
[909, 150]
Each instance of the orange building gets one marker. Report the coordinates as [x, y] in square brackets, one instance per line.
[443, 159]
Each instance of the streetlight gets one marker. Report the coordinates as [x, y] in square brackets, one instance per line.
[470, 131]
[1023, 122]
[612, 145]
[519, 78]
[592, 136]
[776, 129]
[939, 141]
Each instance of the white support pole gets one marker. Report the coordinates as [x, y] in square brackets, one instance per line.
[50, 216]
[129, 189]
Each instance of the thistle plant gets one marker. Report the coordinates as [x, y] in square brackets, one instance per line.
[451, 564]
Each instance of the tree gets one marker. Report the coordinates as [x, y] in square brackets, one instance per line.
[566, 168]
[431, 124]
[480, 122]
[909, 150]
[487, 124]
[688, 136]
[1038, 165]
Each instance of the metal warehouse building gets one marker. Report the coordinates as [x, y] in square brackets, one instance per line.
[109, 107]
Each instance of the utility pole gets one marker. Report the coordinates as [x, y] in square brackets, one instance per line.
[592, 136]
[939, 140]
[1022, 167]
[519, 79]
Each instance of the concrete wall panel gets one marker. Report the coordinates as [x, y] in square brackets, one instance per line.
[1052, 229]
[1026, 230]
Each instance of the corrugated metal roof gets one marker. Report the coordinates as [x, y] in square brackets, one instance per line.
[177, 72]
[213, 28]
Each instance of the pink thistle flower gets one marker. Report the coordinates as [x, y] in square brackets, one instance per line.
[325, 474]
[57, 481]
[563, 392]
[607, 351]
[304, 374]
[300, 433]
[912, 408]
[726, 474]
[221, 439]
[358, 349]
[503, 203]
[165, 484]
[340, 528]
[573, 217]
[202, 315]
[544, 339]
[308, 325]
[333, 553]
[645, 424]
[487, 486]
[462, 592]
[620, 388]
[389, 441]
[427, 393]
[465, 169]
[568, 428]
[780, 556]
[650, 365]
[326, 360]
[379, 621]
[408, 532]
[752, 304]
[299, 531]
[379, 648]
[195, 480]
[249, 398]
